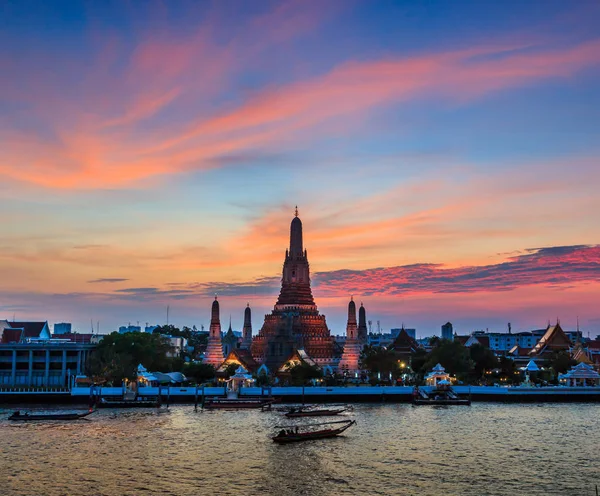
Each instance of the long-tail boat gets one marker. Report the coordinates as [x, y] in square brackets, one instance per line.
[123, 403]
[235, 403]
[300, 412]
[27, 417]
[293, 435]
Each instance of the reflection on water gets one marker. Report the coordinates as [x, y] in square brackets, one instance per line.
[486, 449]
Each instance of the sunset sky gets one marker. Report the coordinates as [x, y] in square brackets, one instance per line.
[444, 157]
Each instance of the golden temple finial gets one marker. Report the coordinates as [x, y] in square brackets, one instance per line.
[296, 212]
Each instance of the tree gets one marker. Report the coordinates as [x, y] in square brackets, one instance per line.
[561, 361]
[453, 356]
[380, 360]
[418, 360]
[199, 372]
[230, 369]
[118, 355]
[508, 370]
[195, 339]
[303, 373]
[483, 359]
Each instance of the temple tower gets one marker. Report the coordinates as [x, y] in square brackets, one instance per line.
[214, 349]
[295, 322]
[352, 348]
[295, 280]
[247, 331]
[362, 325]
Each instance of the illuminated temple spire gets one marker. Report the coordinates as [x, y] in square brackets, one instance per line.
[362, 325]
[247, 331]
[295, 281]
[296, 237]
[214, 349]
[352, 347]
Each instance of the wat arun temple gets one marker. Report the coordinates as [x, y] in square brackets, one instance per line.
[295, 326]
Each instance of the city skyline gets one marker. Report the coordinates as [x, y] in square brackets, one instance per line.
[444, 169]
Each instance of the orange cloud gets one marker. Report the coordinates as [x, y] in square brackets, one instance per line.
[97, 148]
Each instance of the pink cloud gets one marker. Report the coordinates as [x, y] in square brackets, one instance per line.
[104, 145]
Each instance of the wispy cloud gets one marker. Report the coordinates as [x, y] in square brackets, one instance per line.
[125, 138]
[107, 280]
[559, 266]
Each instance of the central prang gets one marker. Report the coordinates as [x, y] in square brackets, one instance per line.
[295, 323]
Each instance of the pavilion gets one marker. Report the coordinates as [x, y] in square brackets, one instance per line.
[437, 374]
[581, 374]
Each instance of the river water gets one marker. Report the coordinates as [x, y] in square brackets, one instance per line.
[485, 449]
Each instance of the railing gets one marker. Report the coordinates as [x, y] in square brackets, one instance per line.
[33, 389]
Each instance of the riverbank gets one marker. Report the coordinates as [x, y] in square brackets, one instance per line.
[359, 394]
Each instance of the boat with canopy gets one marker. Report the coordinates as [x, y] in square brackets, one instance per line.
[299, 433]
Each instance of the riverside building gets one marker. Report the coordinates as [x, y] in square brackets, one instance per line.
[30, 357]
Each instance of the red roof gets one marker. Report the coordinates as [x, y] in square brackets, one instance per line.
[518, 351]
[594, 345]
[483, 340]
[11, 336]
[30, 329]
[461, 339]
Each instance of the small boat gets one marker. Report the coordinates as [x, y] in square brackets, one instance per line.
[294, 435]
[27, 417]
[136, 403]
[234, 404]
[300, 412]
[441, 401]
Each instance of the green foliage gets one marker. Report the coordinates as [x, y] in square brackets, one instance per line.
[483, 359]
[418, 360]
[199, 372]
[561, 362]
[303, 373]
[118, 355]
[379, 360]
[194, 338]
[262, 379]
[508, 371]
[230, 369]
[452, 355]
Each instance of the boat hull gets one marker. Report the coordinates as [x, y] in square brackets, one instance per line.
[235, 405]
[60, 417]
[420, 402]
[316, 413]
[128, 404]
[309, 436]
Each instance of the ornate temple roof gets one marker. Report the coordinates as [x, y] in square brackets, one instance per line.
[554, 339]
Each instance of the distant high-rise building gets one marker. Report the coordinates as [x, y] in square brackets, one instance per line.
[62, 328]
[129, 328]
[447, 331]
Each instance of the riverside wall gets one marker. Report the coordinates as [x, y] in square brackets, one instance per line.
[316, 394]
